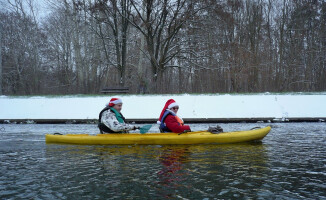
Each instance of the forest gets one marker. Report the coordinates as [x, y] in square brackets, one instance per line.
[162, 46]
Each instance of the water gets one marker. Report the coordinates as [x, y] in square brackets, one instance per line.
[290, 163]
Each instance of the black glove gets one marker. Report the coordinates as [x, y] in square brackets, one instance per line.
[185, 131]
[136, 127]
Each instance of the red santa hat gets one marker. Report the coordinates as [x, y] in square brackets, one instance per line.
[169, 104]
[113, 102]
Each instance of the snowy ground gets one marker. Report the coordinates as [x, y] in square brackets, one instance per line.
[217, 106]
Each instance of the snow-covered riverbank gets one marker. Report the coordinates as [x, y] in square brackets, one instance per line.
[213, 106]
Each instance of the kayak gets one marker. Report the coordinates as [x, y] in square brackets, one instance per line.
[198, 137]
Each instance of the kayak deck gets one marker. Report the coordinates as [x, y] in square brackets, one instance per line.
[198, 137]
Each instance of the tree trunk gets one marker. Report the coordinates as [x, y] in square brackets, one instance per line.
[77, 50]
[0, 59]
[141, 70]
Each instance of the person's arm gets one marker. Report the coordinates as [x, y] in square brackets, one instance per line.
[111, 121]
[172, 124]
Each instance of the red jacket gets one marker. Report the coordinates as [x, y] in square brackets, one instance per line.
[172, 124]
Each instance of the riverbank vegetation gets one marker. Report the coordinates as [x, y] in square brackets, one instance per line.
[159, 47]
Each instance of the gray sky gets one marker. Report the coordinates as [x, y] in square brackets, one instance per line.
[40, 7]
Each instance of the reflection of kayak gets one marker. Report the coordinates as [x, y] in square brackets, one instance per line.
[198, 137]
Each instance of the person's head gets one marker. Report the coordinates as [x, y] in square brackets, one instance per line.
[116, 103]
[170, 105]
[174, 107]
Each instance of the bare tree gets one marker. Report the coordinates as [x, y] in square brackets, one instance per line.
[22, 61]
[172, 46]
[59, 56]
[0, 59]
[160, 22]
[115, 15]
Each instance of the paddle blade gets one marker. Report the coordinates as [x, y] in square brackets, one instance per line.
[145, 128]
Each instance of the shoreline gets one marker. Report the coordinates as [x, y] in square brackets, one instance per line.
[146, 109]
[153, 121]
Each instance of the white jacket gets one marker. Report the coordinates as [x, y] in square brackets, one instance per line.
[111, 121]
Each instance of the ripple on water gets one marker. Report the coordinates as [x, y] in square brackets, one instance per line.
[288, 164]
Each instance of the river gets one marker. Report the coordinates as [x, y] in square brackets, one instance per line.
[289, 163]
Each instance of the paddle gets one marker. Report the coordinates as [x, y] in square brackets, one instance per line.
[145, 128]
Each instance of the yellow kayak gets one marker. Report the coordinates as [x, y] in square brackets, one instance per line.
[198, 137]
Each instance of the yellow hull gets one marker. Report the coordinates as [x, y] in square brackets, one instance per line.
[199, 137]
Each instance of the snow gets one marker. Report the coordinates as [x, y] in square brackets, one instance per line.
[200, 106]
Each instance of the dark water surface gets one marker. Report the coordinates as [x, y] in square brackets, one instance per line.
[290, 163]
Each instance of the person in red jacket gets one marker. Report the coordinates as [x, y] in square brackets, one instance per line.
[169, 120]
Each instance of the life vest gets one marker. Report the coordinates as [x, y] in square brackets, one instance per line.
[103, 128]
[163, 127]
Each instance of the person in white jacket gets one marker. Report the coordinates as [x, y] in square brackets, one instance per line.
[111, 119]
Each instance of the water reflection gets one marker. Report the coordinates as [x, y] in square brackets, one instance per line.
[171, 160]
[172, 173]
[171, 156]
[165, 171]
[225, 169]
